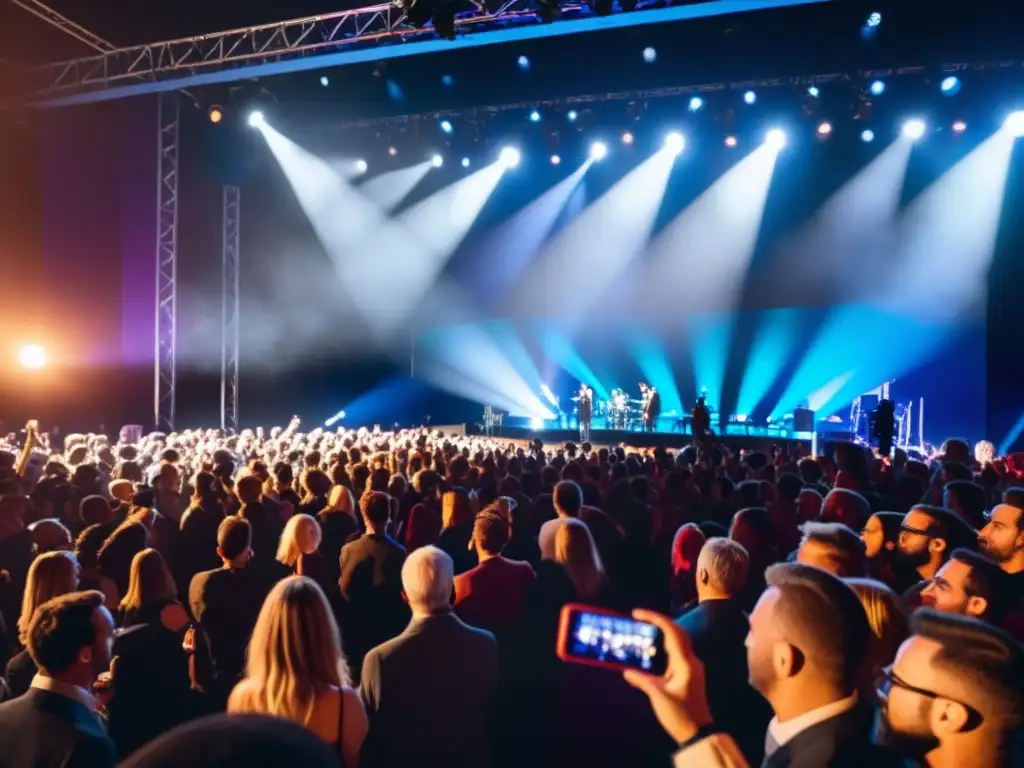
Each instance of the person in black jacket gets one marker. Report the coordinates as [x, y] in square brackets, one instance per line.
[718, 629]
[371, 582]
[55, 723]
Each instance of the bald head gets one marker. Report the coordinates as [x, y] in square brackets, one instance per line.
[427, 578]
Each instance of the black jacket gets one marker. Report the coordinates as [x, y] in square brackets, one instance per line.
[43, 729]
[843, 741]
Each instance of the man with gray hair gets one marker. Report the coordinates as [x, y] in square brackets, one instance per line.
[718, 628]
[428, 692]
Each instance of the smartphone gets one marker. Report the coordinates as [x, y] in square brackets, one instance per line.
[601, 638]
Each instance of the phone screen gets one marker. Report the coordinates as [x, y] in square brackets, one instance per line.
[616, 641]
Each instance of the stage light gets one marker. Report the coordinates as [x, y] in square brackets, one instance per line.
[447, 81]
[813, 91]
[730, 141]
[1014, 124]
[959, 126]
[324, 81]
[571, 115]
[867, 135]
[523, 63]
[536, 423]
[775, 138]
[696, 104]
[535, 116]
[749, 97]
[627, 137]
[256, 119]
[824, 129]
[878, 88]
[675, 143]
[436, 160]
[598, 151]
[392, 150]
[361, 166]
[741, 418]
[914, 129]
[556, 160]
[334, 419]
[216, 114]
[446, 126]
[465, 162]
[650, 55]
[32, 356]
[510, 157]
[950, 85]
[874, 20]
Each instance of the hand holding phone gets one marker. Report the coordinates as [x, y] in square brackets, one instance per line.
[679, 698]
[601, 638]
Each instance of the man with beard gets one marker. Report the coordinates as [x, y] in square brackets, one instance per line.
[968, 584]
[1002, 539]
[928, 535]
[954, 695]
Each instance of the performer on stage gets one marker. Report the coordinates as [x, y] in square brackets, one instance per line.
[586, 411]
[651, 406]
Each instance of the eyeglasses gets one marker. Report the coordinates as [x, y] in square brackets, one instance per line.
[886, 679]
[919, 531]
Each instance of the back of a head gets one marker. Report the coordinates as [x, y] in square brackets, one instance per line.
[234, 537]
[61, 628]
[249, 489]
[427, 578]
[726, 564]
[227, 741]
[884, 611]
[822, 616]
[51, 574]
[149, 581]
[455, 508]
[301, 536]
[95, 509]
[977, 663]
[88, 545]
[568, 498]
[376, 509]
[841, 549]
[576, 552]
[845, 506]
[491, 531]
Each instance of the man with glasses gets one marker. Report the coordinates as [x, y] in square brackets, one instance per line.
[955, 694]
[928, 535]
[953, 697]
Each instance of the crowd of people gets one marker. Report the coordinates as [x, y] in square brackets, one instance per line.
[388, 599]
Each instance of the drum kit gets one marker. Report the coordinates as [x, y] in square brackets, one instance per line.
[619, 411]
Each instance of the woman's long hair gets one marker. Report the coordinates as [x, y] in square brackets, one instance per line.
[301, 535]
[342, 500]
[576, 552]
[294, 654]
[149, 580]
[456, 508]
[51, 575]
[888, 627]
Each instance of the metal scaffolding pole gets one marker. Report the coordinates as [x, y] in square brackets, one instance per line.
[65, 25]
[166, 260]
[229, 312]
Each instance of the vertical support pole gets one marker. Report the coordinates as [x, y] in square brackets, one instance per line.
[166, 260]
[229, 311]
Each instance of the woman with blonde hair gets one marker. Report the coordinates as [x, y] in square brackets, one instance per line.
[341, 500]
[576, 552]
[51, 575]
[888, 628]
[296, 669]
[152, 597]
[299, 548]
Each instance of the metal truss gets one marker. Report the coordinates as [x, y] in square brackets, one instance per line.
[65, 25]
[166, 260]
[268, 43]
[229, 312]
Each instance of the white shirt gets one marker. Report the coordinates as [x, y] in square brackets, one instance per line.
[781, 733]
[546, 538]
[73, 692]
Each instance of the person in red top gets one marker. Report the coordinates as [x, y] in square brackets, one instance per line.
[491, 595]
